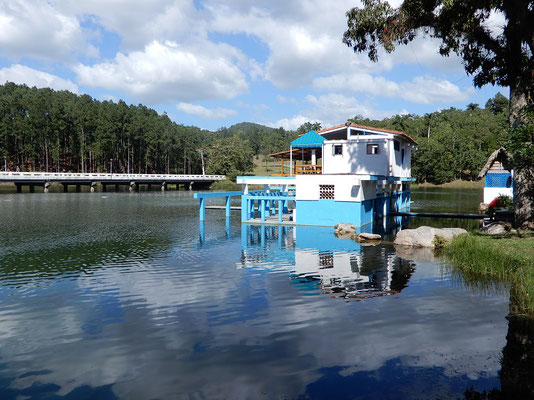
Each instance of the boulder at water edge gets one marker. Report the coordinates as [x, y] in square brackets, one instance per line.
[424, 236]
[344, 229]
[369, 236]
[496, 228]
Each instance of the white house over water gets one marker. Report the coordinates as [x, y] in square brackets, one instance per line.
[364, 174]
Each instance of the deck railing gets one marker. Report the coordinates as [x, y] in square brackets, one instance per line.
[308, 169]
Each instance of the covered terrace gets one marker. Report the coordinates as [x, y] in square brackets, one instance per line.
[307, 149]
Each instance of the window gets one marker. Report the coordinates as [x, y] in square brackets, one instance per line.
[402, 157]
[396, 145]
[326, 192]
[338, 149]
[372, 148]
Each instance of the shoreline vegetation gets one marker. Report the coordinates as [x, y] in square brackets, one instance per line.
[456, 184]
[508, 259]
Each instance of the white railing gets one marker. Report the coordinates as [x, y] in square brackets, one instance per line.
[66, 176]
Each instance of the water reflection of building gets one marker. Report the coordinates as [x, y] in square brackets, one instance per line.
[316, 258]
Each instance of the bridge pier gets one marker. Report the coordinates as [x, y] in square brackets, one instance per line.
[163, 186]
[93, 187]
[46, 187]
[32, 188]
[133, 187]
[19, 187]
[149, 188]
[116, 187]
[190, 185]
[78, 188]
[104, 187]
[65, 187]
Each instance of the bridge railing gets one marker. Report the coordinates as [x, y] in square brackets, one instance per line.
[64, 176]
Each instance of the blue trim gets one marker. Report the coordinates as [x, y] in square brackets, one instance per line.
[215, 194]
[499, 180]
[267, 177]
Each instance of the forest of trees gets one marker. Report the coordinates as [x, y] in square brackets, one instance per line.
[47, 130]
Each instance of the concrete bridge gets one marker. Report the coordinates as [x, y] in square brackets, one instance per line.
[44, 179]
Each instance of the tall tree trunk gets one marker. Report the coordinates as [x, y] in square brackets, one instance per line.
[521, 97]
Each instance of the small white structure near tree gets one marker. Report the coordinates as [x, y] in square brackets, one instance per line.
[498, 174]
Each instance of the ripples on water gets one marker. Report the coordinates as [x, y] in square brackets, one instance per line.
[127, 296]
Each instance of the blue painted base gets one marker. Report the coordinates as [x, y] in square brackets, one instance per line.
[364, 215]
[331, 213]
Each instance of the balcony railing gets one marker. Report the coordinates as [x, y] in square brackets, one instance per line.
[310, 169]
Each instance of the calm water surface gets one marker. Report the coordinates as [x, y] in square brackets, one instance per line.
[119, 295]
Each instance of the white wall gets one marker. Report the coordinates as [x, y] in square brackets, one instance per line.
[491, 193]
[396, 159]
[355, 159]
[347, 187]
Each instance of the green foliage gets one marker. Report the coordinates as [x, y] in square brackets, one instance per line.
[229, 156]
[41, 129]
[308, 126]
[498, 104]
[483, 260]
[440, 242]
[520, 143]
[503, 58]
[506, 202]
[225, 186]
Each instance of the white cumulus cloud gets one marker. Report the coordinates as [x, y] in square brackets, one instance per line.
[37, 29]
[333, 109]
[205, 113]
[22, 74]
[167, 70]
[422, 90]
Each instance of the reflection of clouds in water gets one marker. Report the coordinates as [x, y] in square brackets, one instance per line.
[174, 339]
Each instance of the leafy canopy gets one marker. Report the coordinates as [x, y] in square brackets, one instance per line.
[490, 55]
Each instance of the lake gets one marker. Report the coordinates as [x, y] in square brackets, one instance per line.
[127, 296]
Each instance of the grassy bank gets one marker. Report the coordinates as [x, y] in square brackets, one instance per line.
[457, 184]
[508, 259]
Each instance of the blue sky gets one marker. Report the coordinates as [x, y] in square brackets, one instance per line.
[213, 63]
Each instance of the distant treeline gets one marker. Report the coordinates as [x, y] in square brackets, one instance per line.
[47, 130]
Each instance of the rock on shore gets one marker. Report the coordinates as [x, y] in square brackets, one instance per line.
[424, 236]
[348, 231]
